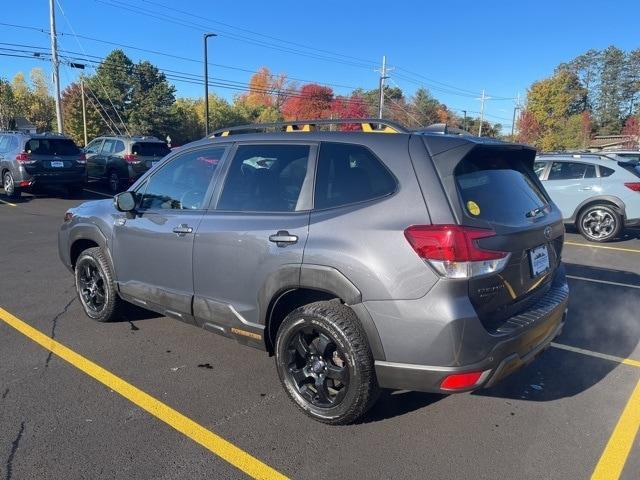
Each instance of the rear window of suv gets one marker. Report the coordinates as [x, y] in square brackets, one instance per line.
[51, 146]
[150, 149]
[498, 190]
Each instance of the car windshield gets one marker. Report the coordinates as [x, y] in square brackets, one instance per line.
[51, 146]
[150, 149]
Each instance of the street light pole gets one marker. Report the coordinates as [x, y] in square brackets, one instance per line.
[206, 83]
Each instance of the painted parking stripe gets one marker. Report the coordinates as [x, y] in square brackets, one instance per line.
[604, 247]
[618, 447]
[199, 434]
[607, 282]
[591, 353]
[8, 203]
[98, 193]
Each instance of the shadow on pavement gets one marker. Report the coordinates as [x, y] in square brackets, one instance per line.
[602, 318]
[393, 403]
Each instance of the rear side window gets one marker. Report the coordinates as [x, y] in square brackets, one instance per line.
[348, 174]
[571, 171]
[498, 190]
[51, 146]
[119, 146]
[538, 168]
[7, 143]
[606, 171]
[265, 178]
[108, 147]
[150, 149]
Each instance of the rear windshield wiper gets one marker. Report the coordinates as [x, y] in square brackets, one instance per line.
[535, 212]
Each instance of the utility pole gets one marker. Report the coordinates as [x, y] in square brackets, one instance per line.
[55, 64]
[383, 76]
[84, 110]
[206, 83]
[464, 120]
[513, 122]
[482, 99]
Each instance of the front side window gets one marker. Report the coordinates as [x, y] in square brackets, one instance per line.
[571, 171]
[348, 174]
[182, 183]
[265, 178]
[93, 147]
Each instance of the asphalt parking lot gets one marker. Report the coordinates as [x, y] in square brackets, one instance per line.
[572, 414]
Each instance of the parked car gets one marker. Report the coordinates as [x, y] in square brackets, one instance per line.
[598, 195]
[631, 156]
[361, 260]
[120, 160]
[33, 160]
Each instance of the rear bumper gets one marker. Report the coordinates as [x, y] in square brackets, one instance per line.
[632, 222]
[55, 178]
[540, 325]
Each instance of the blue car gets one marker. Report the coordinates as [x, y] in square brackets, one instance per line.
[598, 194]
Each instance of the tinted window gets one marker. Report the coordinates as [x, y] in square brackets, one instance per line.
[348, 174]
[119, 146]
[538, 168]
[606, 171]
[265, 178]
[630, 157]
[571, 171]
[7, 143]
[183, 182]
[484, 183]
[93, 147]
[51, 146]
[150, 149]
[108, 147]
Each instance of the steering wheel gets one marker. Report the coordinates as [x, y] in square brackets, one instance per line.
[191, 199]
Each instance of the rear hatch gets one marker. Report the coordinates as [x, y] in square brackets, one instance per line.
[492, 186]
[147, 154]
[52, 157]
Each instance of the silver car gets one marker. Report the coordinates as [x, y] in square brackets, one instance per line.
[598, 194]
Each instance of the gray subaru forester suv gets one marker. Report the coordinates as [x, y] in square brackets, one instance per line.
[381, 258]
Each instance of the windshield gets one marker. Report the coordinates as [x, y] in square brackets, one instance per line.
[51, 146]
[150, 149]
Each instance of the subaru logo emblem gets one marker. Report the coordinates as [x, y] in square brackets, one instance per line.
[547, 233]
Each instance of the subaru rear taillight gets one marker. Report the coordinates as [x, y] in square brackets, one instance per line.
[635, 186]
[82, 159]
[129, 158]
[24, 158]
[453, 250]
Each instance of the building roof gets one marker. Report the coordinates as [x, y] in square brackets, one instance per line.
[23, 124]
[602, 141]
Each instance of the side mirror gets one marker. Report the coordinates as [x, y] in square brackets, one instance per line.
[125, 201]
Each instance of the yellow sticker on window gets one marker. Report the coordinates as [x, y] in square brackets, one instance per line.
[473, 208]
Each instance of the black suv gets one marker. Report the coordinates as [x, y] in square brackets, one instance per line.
[120, 160]
[33, 160]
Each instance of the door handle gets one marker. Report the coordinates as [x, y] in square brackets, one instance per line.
[182, 230]
[586, 188]
[283, 238]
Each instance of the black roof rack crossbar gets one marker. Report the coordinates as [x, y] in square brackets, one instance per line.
[443, 129]
[375, 125]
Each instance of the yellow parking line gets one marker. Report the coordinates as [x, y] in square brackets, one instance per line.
[199, 434]
[604, 247]
[615, 454]
[8, 203]
[591, 353]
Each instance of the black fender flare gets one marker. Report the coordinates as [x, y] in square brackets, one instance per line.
[90, 232]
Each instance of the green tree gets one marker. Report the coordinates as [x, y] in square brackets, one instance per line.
[586, 67]
[631, 83]
[609, 105]
[188, 124]
[112, 86]
[152, 98]
[42, 110]
[425, 107]
[7, 106]
[72, 115]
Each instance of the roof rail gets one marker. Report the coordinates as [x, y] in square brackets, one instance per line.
[443, 129]
[369, 125]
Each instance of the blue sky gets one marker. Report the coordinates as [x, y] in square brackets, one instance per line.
[453, 48]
